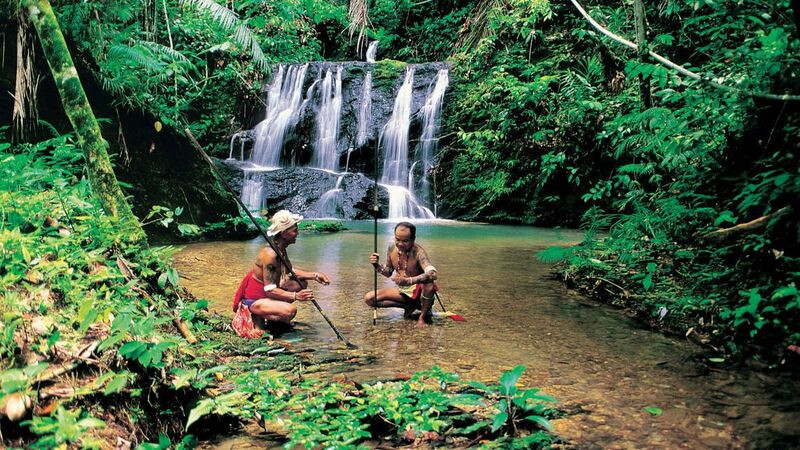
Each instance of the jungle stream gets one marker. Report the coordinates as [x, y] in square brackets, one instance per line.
[620, 385]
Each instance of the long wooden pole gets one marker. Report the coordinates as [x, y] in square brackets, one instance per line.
[375, 210]
[261, 230]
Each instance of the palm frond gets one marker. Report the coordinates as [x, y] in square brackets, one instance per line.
[476, 27]
[229, 21]
[122, 55]
[224, 17]
[164, 52]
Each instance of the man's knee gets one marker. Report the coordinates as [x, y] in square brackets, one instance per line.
[290, 312]
[369, 299]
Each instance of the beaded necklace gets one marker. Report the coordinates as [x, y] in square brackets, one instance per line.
[402, 262]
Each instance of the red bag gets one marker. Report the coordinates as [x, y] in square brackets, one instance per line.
[243, 323]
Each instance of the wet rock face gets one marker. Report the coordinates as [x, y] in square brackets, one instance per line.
[387, 77]
[299, 190]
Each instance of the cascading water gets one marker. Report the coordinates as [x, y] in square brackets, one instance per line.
[294, 106]
[402, 204]
[364, 110]
[283, 110]
[330, 111]
[328, 204]
[371, 51]
[429, 139]
[252, 191]
[394, 140]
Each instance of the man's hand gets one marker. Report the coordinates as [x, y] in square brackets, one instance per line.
[403, 281]
[373, 258]
[321, 278]
[304, 295]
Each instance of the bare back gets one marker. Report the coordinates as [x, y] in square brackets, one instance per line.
[269, 269]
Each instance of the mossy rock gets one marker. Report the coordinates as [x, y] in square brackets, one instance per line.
[388, 69]
[322, 226]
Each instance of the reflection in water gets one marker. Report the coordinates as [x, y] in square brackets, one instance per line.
[601, 366]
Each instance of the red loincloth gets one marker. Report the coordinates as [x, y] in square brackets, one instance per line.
[249, 288]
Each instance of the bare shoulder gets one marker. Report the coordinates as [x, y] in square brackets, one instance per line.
[419, 250]
[266, 255]
[421, 255]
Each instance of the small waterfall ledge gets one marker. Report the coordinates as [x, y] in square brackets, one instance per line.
[313, 148]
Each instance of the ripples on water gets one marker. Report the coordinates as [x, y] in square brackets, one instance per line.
[600, 365]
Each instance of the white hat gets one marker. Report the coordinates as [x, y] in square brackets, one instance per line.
[282, 221]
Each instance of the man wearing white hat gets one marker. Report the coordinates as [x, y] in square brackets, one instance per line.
[270, 293]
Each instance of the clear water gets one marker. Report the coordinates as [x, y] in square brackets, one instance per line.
[601, 366]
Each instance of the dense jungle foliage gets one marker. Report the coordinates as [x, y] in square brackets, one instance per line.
[690, 202]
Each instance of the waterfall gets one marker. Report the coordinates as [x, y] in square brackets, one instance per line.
[305, 107]
[328, 203]
[395, 134]
[403, 204]
[282, 113]
[252, 191]
[394, 141]
[371, 50]
[429, 139]
[364, 110]
[330, 111]
[233, 139]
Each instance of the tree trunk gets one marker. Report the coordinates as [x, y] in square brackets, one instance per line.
[26, 86]
[101, 175]
[641, 41]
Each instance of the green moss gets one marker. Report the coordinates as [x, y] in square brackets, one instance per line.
[322, 226]
[354, 70]
[388, 69]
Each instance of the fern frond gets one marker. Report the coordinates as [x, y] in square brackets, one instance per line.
[554, 254]
[224, 17]
[121, 55]
[244, 37]
[47, 125]
[636, 169]
[164, 52]
[229, 21]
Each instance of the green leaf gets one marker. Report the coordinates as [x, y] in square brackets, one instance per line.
[162, 280]
[655, 411]
[116, 384]
[132, 349]
[203, 408]
[183, 377]
[647, 282]
[499, 420]
[541, 421]
[509, 379]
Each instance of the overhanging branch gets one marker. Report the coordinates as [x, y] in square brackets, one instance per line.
[681, 69]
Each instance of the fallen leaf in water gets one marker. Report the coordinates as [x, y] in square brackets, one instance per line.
[653, 410]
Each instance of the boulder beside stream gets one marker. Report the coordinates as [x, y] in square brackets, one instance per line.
[299, 189]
